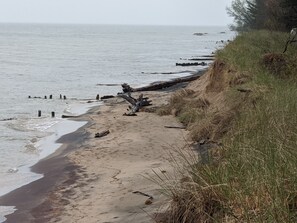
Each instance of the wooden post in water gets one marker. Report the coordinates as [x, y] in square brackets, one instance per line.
[97, 97]
[64, 97]
[53, 114]
[39, 113]
[45, 97]
[51, 97]
[60, 96]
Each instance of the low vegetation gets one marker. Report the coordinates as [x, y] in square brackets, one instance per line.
[246, 105]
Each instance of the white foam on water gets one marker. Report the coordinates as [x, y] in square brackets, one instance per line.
[54, 128]
[48, 145]
[22, 175]
[6, 211]
[41, 125]
[81, 107]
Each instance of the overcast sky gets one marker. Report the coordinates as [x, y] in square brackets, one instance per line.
[145, 12]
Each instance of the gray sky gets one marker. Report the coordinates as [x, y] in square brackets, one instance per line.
[146, 12]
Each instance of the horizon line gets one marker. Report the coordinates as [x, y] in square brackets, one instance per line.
[109, 24]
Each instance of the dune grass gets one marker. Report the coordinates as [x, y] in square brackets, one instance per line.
[253, 175]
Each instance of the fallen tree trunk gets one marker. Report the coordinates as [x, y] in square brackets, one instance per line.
[164, 84]
[136, 104]
[128, 98]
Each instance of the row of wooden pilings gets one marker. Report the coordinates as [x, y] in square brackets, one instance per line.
[53, 114]
[50, 97]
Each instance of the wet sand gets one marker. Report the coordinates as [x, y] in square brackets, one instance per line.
[93, 179]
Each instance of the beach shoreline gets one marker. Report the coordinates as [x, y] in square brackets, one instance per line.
[45, 200]
[54, 167]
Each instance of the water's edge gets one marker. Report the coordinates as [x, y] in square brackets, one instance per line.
[52, 147]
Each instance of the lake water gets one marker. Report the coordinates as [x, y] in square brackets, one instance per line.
[42, 60]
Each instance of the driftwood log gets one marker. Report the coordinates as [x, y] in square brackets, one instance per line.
[69, 116]
[101, 134]
[136, 104]
[163, 84]
[106, 97]
[191, 64]
[174, 127]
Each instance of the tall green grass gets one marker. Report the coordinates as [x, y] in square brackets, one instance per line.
[255, 177]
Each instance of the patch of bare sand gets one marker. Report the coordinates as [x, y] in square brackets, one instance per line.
[121, 163]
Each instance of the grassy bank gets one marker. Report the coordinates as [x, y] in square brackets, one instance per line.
[247, 107]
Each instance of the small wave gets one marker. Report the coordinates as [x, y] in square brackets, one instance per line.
[80, 108]
[40, 125]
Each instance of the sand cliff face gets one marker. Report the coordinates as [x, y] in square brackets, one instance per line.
[212, 101]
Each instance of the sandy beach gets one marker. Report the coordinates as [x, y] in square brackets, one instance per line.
[106, 179]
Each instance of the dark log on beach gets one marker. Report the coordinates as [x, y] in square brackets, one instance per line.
[163, 84]
[191, 64]
[107, 97]
[69, 116]
[129, 114]
[101, 134]
[174, 127]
